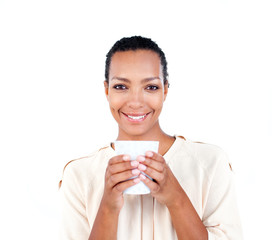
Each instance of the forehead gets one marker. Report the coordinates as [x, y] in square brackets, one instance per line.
[139, 62]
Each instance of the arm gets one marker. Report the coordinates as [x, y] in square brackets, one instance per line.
[105, 225]
[118, 171]
[185, 219]
[220, 213]
[220, 218]
[168, 191]
[74, 221]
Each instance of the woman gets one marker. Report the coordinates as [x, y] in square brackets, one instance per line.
[192, 195]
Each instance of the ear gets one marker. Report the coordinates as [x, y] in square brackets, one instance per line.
[106, 86]
[166, 85]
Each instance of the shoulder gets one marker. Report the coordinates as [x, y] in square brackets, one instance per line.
[211, 157]
[207, 156]
[205, 150]
[82, 168]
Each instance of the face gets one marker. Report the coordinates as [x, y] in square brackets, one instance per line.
[136, 93]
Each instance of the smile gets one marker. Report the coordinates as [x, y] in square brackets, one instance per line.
[136, 117]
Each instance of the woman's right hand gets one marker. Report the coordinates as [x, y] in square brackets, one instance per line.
[119, 170]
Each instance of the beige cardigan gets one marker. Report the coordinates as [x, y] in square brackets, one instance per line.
[202, 170]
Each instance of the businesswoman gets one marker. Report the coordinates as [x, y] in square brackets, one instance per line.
[192, 192]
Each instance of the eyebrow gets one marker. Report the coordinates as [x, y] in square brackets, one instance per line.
[143, 81]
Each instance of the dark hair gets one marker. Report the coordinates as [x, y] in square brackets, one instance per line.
[136, 43]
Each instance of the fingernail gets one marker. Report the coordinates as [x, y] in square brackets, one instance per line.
[142, 167]
[143, 177]
[149, 154]
[126, 157]
[134, 163]
[136, 180]
[141, 158]
[135, 172]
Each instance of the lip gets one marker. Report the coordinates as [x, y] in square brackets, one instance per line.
[135, 115]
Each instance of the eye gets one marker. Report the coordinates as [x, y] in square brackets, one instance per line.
[120, 87]
[152, 87]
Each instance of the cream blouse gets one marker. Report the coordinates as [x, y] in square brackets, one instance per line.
[202, 170]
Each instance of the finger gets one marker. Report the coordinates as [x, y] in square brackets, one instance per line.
[121, 177]
[121, 187]
[119, 158]
[159, 177]
[153, 186]
[122, 166]
[148, 162]
[155, 156]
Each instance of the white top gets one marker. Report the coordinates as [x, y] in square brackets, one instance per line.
[202, 170]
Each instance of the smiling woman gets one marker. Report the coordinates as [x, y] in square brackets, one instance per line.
[192, 189]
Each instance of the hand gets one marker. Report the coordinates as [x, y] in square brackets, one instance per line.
[119, 170]
[164, 187]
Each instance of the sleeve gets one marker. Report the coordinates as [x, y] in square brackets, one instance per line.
[220, 215]
[73, 220]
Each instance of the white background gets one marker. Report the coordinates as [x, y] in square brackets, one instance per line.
[53, 107]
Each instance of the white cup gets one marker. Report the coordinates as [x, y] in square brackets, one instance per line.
[134, 149]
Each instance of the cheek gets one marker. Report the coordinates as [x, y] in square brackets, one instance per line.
[156, 102]
[115, 102]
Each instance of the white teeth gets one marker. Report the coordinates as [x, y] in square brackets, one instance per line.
[136, 117]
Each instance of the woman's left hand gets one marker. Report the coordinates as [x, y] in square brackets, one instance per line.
[166, 188]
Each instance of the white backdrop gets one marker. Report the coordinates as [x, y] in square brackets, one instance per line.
[53, 107]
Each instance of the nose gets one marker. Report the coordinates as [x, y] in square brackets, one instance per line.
[135, 99]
